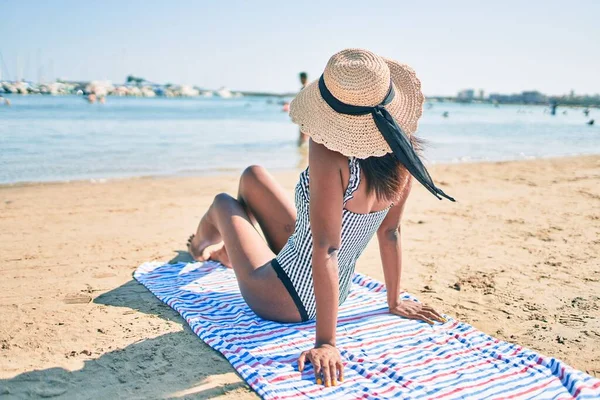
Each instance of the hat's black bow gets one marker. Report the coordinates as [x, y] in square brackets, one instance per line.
[391, 132]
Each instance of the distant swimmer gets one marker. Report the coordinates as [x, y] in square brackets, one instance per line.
[303, 79]
[591, 122]
[286, 108]
[302, 139]
[445, 114]
[586, 112]
[91, 98]
[4, 100]
[102, 100]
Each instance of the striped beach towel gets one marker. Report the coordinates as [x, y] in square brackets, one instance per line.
[385, 356]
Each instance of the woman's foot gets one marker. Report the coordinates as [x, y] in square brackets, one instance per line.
[220, 255]
[202, 251]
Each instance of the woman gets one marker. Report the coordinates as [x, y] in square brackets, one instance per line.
[360, 116]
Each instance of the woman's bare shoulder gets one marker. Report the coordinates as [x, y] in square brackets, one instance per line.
[321, 156]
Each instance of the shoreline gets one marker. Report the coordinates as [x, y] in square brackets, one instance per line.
[234, 173]
[516, 257]
[561, 100]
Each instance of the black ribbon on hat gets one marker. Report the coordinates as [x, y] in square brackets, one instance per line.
[391, 132]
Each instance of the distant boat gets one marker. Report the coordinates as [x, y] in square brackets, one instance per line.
[188, 91]
[224, 93]
[148, 92]
[99, 88]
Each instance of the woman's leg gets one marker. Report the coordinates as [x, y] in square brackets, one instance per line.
[206, 243]
[266, 202]
[251, 258]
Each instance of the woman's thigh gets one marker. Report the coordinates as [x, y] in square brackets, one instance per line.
[266, 295]
[251, 259]
[268, 203]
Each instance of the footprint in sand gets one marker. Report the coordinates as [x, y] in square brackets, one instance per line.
[572, 320]
[479, 281]
[577, 313]
[77, 299]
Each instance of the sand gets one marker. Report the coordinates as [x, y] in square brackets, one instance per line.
[517, 257]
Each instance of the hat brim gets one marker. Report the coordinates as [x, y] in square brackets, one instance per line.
[357, 135]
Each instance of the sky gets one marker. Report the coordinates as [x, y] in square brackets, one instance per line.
[499, 46]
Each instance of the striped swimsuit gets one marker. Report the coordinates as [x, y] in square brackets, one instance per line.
[293, 264]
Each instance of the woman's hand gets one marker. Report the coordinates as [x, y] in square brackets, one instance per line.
[327, 364]
[413, 310]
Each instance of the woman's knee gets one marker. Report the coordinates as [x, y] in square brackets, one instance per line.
[222, 199]
[253, 172]
[251, 176]
[224, 205]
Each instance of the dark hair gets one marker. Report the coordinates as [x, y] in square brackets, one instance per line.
[385, 175]
[303, 75]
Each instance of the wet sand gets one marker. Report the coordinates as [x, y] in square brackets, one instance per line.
[518, 257]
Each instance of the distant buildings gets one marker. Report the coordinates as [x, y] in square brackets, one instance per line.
[534, 97]
[529, 97]
[466, 96]
[526, 97]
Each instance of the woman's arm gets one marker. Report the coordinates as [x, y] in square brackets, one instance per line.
[390, 249]
[326, 204]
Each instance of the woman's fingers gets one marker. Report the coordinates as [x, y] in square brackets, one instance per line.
[301, 361]
[430, 315]
[424, 318]
[333, 372]
[327, 365]
[326, 375]
[437, 315]
[415, 315]
[419, 311]
[340, 368]
[317, 367]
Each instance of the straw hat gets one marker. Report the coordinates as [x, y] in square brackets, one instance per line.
[362, 78]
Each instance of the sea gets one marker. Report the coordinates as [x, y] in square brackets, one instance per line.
[63, 138]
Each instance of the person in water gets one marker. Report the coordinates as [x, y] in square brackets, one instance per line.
[303, 138]
[361, 116]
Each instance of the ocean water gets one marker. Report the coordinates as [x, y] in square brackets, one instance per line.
[46, 138]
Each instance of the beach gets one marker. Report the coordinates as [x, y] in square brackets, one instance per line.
[516, 256]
